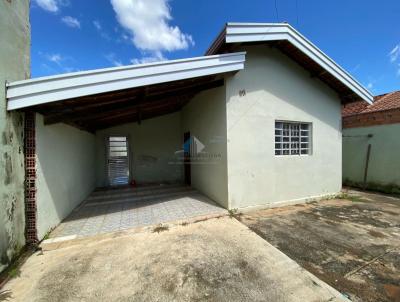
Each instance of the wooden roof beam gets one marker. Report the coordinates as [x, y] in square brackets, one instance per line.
[129, 103]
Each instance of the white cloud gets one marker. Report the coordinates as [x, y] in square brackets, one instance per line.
[52, 5]
[394, 53]
[147, 21]
[57, 63]
[100, 30]
[97, 25]
[55, 58]
[148, 59]
[111, 57]
[71, 22]
[49, 5]
[370, 85]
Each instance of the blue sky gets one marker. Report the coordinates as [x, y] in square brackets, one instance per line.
[363, 36]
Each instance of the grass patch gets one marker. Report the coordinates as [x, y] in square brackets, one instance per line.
[14, 272]
[350, 197]
[234, 213]
[160, 228]
[47, 236]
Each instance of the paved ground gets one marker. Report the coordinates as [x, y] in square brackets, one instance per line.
[124, 208]
[353, 245]
[218, 259]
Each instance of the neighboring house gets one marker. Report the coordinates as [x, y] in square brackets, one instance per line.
[254, 123]
[377, 126]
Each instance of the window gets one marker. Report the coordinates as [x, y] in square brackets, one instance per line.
[292, 138]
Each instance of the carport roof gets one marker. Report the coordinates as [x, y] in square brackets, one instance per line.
[288, 40]
[103, 98]
[27, 93]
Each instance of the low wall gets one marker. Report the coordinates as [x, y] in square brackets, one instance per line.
[384, 163]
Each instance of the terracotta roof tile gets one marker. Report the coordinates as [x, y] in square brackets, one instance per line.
[381, 102]
[354, 108]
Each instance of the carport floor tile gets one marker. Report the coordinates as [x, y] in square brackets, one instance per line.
[126, 208]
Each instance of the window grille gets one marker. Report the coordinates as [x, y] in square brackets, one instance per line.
[292, 138]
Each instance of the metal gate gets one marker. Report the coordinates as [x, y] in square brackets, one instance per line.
[118, 160]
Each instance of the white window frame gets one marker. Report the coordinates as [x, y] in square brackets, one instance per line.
[297, 133]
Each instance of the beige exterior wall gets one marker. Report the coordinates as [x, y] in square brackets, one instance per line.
[279, 89]
[152, 146]
[65, 171]
[14, 65]
[384, 163]
[205, 118]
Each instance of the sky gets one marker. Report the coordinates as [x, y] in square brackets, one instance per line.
[363, 36]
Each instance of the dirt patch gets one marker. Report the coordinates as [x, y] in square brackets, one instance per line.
[336, 237]
[393, 292]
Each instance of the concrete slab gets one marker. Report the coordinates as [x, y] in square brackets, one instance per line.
[352, 244]
[123, 208]
[213, 260]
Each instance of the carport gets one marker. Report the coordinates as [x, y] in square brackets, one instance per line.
[120, 133]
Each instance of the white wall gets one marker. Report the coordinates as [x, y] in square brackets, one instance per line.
[279, 89]
[152, 146]
[65, 171]
[384, 163]
[205, 118]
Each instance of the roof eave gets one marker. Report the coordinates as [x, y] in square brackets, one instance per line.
[258, 32]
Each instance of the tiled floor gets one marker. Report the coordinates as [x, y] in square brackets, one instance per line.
[123, 208]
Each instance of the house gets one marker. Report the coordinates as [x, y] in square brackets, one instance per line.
[371, 143]
[255, 122]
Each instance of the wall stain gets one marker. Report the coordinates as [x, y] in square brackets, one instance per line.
[4, 138]
[8, 169]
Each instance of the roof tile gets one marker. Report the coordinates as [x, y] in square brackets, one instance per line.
[381, 102]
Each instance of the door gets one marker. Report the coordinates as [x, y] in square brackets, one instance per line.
[118, 160]
[186, 158]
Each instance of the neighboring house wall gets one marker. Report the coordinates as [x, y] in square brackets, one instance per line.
[66, 171]
[279, 89]
[384, 163]
[152, 145]
[14, 65]
[205, 117]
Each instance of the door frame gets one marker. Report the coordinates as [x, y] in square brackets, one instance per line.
[107, 153]
[187, 165]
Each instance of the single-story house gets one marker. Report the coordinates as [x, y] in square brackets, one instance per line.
[254, 122]
[371, 143]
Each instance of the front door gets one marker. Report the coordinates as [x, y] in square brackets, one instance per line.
[118, 160]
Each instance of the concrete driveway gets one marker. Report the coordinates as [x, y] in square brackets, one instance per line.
[352, 244]
[218, 259]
